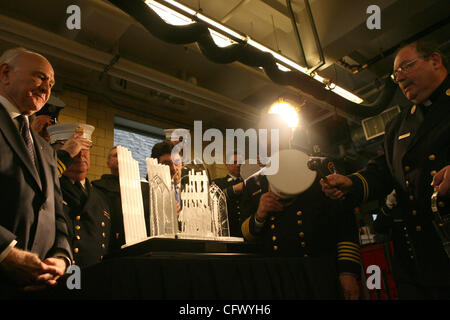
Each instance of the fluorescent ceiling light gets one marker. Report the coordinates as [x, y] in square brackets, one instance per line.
[220, 40]
[168, 15]
[223, 40]
[276, 55]
[182, 7]
[220, 26]
[347, 94]
[283, 68]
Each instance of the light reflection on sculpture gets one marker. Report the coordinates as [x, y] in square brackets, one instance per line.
[204, 211]
[131, 197]
[203, 215]
[163, 212]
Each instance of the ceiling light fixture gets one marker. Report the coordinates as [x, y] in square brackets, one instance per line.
[230, 37]
[286, 111]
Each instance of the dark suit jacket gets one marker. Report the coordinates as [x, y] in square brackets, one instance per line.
[32, 209]
[109, 185]
[416, 146]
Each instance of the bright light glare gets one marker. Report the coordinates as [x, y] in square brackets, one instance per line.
[220, 40]
[168, 15]
[347, 95]
[286, 112]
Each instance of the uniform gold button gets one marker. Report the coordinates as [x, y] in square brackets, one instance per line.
[303, 244]
[418, 228]
[103, 246]
[441, 204]
[441, 225]
[299, 213]
[76, 250]
[78, 237]
[406, 235]
[447, 92]
[414, 212]
[407, 183]
[412, 257]
[274, 238]
[77, 218]
[101, 257]
[433, 173]
[117, 236]
[77, 227]
[411, 197]
[275, 248]
[103, 224]
[407, 168]
[73, 262]
[305, 256]
[272, 218]
[301, 234]
[272, 226]
[299, 222]
[103, 235]
[432, 157]
[413, 109]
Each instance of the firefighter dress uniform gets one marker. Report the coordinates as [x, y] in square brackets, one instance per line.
[89, 221]
[416, 147]
[311, 227]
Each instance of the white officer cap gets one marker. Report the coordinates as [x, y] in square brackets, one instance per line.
[62, 132]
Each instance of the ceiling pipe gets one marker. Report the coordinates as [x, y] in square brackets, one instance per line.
[355, 69]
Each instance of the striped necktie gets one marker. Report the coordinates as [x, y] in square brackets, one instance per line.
[24, 129]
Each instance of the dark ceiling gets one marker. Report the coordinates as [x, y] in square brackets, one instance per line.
[179, 79]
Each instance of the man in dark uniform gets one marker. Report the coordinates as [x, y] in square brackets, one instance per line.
[110, 186]
[308, 226]
[86, 207]
[416, 159]
[231, 185]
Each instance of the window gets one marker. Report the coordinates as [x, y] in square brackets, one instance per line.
[139, 138]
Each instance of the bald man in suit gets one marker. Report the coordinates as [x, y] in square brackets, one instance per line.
[34, 249]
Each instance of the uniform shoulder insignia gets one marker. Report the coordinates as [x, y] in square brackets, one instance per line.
[106, 214]
[256, 192]
[65, 203]
[229, 179]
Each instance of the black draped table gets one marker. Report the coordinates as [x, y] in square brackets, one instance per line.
[171, 276]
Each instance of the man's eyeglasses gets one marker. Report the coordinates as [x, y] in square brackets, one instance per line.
[403, 69]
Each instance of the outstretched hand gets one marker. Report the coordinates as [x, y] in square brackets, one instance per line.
[336, 186]
[441, 181]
